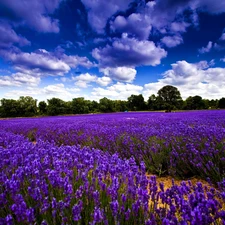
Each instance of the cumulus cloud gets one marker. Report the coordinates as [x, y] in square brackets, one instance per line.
[43, 62]
[223, 59]
[100, 11]
[84, 80]
[103, 81]
[135, 24]
[49, 91]
[191, 79]
[56, 89]
[34, 92]
[167, 10]
[31, 67]
[129, 52]
[172, 41]
[213, 7]
[222, 38]
[33, 13]
[207, 48]
[125, 74]
[165, 16]
[18, 79]
[117, 91]
[179, 26]
[9, 37]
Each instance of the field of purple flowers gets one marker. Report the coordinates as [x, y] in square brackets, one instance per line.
[93, 169]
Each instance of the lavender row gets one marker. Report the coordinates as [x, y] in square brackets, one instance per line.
[46, 184]
[181, 144]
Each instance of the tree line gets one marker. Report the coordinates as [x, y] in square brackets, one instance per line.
[168, 98]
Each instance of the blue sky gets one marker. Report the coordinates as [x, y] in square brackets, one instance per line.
[113, 48]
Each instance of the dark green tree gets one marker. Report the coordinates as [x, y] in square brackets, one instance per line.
[195, 102]
[221, 103]
[136, 102]
[80, 106]
[151, 103]
[106, 105]
[94, 106]
[56, 106]
[27, 106]
[120, 105]
[169, 98]
[9, 108]
[42, 105]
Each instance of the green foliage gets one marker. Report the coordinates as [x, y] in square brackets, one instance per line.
[221, 103]
[195, 102]
[42, 107]
[120, 106]
[136, 102]
[106, 105]
[170, 98]
[24, 106]
[9, 108]
[27, 106]
[56, 106]
[80, 106]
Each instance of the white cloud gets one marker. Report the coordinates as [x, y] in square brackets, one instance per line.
[125, 74]
[223, 59]
[18, 79]
[100, 11]
[172, 41]
[49, 91]
[222, 38]
[135, 24]
[44, 62]
[179, 26]
[85, 77]
[33, 13]
[117, 91]
[191, 79]
[103, 81]
[35, 93]
[9, 37]
[207, 48]
[81, 84]
[83, 80]
[129, 52]
[55, 89]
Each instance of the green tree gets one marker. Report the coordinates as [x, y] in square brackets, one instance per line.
[106, 105]
[27, 106]
[42, 106]
[9, 108]
[169, 98]
[151, 103]
[120, 105]
[195, 102]
[56, 106]
[221, 103]
[80, 105]
[136, 102]
[94, 106]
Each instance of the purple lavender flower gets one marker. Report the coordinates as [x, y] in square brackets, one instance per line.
[76, 210]
[114, 207]
[97, 215]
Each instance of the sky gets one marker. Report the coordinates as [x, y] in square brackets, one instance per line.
[114, 48]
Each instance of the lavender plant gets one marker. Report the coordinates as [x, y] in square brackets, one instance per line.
[181, 144]
[46, 184]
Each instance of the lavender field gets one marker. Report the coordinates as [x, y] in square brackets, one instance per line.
[95, 169]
